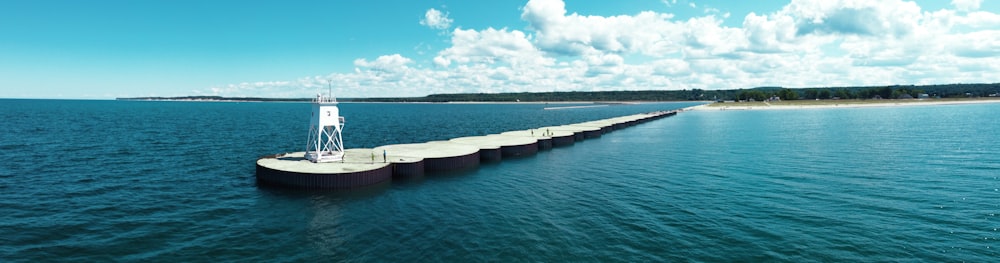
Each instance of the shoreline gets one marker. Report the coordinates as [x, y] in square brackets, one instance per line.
[351, 100]
[834, 104]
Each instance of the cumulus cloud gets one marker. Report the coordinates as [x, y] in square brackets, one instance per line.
[491, 46]
[854, 17]
[388, 63]
[982, 44]
[769, 35]
[966, 5]
[436, 20]
[574, 34]
[604, 64]
[804, 43]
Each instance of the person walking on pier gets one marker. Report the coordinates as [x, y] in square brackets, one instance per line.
[384, 156]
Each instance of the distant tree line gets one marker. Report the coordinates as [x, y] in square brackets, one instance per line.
[757, 94]
[643, 95]
[218, 98]
[873, 92]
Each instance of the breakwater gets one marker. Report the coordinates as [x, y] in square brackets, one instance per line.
[362, 167]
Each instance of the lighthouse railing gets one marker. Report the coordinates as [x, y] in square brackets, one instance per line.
[325, 99]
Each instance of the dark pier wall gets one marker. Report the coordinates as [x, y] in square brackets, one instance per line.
[519, 150]
[331, 181]
[437, 165]
[408, 170]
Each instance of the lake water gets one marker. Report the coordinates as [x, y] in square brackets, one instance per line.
[173, 181]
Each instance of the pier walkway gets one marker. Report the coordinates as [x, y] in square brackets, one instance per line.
[362, 167]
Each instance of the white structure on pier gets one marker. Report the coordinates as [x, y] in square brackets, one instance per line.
[325, 143]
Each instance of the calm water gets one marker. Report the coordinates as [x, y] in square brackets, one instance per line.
[173, 181]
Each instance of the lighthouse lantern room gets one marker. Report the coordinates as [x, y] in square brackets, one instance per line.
[325, 143]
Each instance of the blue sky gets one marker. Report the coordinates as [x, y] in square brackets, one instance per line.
[106, 49]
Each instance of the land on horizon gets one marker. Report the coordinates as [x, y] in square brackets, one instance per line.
[839, 103]
[754, 94]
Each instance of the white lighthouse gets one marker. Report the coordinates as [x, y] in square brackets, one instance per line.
[325, 143]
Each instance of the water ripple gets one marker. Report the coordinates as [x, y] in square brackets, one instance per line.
[166, 181]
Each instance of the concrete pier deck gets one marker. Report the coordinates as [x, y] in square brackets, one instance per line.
[554, 138]
[510, 146]
[588, 131]
[362, 167]
[293, 169]
[435, 156]
[565, 134]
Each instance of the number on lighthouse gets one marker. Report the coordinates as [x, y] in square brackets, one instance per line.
[327, 113]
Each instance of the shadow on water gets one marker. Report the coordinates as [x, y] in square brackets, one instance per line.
[439, 176]
[469, 171]
[369, 191]
[353, 193]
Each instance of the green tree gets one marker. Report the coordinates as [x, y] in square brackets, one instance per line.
[885, 92]
[824, 94]
[810, 94]
[843, 94]
[788, 94]
[755, 95]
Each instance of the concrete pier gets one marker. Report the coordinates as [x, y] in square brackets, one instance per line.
[407, 167]
[293, 169]
[510, 146]
[436, 156]
[362, 167]
[562, 134]
[547, 138]
[589, 131]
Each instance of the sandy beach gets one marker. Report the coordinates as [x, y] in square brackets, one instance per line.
[826, 104]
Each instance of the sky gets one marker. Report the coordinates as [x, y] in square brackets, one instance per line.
[403, 48]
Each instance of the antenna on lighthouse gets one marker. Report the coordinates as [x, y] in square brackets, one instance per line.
[325, 143]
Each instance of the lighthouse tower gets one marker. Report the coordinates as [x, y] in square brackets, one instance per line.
[325, 143]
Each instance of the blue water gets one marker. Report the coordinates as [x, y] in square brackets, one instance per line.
[173, 181]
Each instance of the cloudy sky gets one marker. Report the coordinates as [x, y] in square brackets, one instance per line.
[393, 48]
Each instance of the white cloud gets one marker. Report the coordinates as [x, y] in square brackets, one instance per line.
[893, 18]
[980, 44]
[979, 20]
[491, 46]
[558, 33]
[669, 67]
[765, 35]
[599, 64]
[966, 5]
[388, 63]
[804, 43]
[436, 20]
